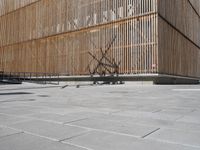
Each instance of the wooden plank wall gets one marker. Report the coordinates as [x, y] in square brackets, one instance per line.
[177, 56]
[54, 36]
[182, 16]
[7, 6]
[179, 38]
[196, 5]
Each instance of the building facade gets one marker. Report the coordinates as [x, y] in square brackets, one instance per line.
[152, 37]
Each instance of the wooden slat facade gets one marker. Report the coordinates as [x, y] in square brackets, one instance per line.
[8, 6]
[55, 36]
[179, 37]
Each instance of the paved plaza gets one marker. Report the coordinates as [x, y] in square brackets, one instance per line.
[107, 117]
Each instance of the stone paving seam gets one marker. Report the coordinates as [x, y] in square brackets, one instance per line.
[79, 146]
[46, 120]
[105, 131]
[83, 133]
[176, 120]
[30, 133]
[12, 115]
[11, 135]
[31, 118]
[22, 121]
[151, 133]
[51, 139]
[169, 142]
[68, 122]
[159, 110]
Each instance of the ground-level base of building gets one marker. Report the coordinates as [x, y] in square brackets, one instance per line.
[175, 80]
[156, 78]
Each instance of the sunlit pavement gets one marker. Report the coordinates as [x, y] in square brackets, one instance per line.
[108, 117]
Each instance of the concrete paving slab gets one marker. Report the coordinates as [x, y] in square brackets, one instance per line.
[139, 114]
[149, 108]
[62, 110]
[10, 119]
[118, 127]
[30, 142]
[187, 126]
[117, 114]
[71, 117]
[7, 132]
[182, 137]
[190, 119]
[173, 111]
[106, 141]
[16, 111]
[49, 129]
[141, 121]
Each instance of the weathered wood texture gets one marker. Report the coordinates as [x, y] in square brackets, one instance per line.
[54, 36]
[177, 55]
[179, 37]
[7, 6]
[196, 5]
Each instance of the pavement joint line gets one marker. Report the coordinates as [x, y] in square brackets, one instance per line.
[150, 133]
[38, 135]
[135, 123]
[48, 112]
[12, 115]
[22, 121]
[64, 142]
[181, 107]
[30, 119]
[157, 111]
[105, 131]
[176, 120]
[83, 133]
[30, 133]
[169, 142]
[29, 115]
[54, 108]
[45, 137]
[114, 113]
[50, 121]
[75, 120]
[193, 110]
[10, 135]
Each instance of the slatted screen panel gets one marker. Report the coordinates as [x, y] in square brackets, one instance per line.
[55, 36]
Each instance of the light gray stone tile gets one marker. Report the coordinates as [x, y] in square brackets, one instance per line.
[9, 119]
[30, 142]
[190, 119]
[7, 132]
[49, 129]
[107, 141]
[64, 118]
[184, 137]
[139, 114]
[115, 126]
